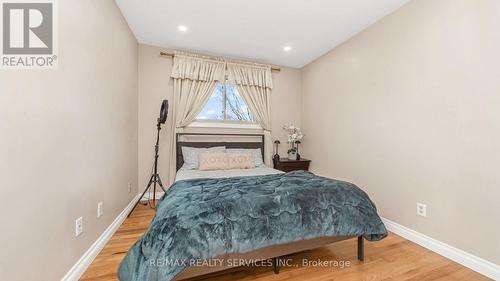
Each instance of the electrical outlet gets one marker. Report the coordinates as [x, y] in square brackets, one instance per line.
[99, 209]
[421, 210]
[129, 185]
[78, 226]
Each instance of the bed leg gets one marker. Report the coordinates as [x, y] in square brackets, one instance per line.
[361, 251]
[276, 262]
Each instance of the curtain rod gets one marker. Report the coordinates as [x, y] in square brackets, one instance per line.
[165, 54]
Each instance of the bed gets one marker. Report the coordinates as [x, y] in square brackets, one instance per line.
[258, 214]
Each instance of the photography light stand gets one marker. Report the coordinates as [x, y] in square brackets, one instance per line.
[155, 177]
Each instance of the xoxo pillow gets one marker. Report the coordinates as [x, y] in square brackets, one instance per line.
[191, 155]
[213, 161]
[241, 160]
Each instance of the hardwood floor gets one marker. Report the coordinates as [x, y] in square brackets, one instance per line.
[393, 258]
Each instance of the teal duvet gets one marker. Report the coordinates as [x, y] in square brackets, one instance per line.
[205, 218]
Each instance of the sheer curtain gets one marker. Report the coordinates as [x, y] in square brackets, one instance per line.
[255, 83]
[194, 78]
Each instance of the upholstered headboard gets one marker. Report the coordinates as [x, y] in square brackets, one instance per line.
[239, 143]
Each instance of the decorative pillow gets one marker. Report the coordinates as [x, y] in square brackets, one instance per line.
[191, 155]
[240, 160]
[256, 153]
[213, 161]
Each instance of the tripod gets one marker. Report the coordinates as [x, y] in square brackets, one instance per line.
[155, 177]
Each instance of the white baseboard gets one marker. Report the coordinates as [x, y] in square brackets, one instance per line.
[477, 264]
[88, 257]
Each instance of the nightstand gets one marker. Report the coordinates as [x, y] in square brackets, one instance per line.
[286, 165]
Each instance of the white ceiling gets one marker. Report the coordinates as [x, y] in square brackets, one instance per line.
[254, 29]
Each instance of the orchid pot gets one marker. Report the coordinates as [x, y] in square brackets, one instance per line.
[294, 135]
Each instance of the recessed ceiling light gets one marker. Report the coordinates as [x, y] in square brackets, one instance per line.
[182, 28]
[287, 48]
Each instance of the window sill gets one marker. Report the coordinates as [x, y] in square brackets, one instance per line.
[228, 125]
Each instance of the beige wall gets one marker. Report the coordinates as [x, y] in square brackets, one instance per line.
[409, 110]
[155, 85]
[68, 139]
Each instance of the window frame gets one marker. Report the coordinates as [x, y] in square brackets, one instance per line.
[224, 110]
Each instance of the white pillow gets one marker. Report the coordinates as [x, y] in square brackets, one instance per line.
[191, 155]
[256, 153]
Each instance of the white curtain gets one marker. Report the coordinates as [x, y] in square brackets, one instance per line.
[194, 78]
[255, 83]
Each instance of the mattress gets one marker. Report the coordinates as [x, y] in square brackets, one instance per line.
[185, 174]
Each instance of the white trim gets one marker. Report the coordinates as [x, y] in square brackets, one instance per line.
[477, 264]
[226, 125]
[88, 257]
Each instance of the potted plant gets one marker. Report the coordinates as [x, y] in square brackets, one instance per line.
[294, 135]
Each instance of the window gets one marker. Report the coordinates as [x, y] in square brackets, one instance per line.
[226, 104]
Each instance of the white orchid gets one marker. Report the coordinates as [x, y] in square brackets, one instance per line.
[294, 133]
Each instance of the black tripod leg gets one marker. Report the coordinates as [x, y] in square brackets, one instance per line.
[142, 195]
[161, 184]
[154, 190]
[151, 179]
